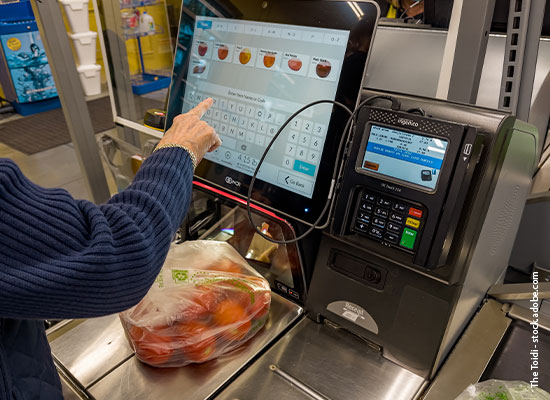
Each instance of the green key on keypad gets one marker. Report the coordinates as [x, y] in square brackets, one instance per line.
[407, 238]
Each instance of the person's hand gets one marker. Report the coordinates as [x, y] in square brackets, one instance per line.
[188, 130]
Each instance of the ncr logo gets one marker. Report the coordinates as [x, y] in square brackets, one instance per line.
[407, 122]
[231, 181]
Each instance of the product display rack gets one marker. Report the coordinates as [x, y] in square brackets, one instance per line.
[25, 74]
[144, 82]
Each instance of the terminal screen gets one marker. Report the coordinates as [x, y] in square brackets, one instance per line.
[406, 156]
[258, 75]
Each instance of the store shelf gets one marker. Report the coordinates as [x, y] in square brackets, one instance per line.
[140, 34]
[147, 83]
[135, 4]
[133, 35]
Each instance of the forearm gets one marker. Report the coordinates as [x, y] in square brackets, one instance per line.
[63, 258]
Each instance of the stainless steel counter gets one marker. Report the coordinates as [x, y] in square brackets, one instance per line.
[97, 354]
[92, 349]
[314, 361]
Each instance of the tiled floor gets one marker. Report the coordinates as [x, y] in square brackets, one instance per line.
[57, 167]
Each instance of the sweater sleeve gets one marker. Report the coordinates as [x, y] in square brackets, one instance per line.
[67, 258]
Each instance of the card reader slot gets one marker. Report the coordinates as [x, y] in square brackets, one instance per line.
[453, 211]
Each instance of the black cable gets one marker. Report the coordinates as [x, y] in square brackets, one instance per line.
[396, 105]
[264, 155]
[418, 110]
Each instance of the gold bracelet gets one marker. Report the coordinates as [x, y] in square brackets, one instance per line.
[187, 149]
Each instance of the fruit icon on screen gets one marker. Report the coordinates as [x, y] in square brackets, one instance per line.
[323, 69]
[245, 56]
[203, 48]
[223, 51]
[199, 68]
[269, 60]
[295, 64]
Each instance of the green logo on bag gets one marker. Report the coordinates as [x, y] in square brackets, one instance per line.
[179, 275]
[160, 280]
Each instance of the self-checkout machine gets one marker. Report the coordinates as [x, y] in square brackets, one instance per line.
[425, 218]
[427, 202]
[259, 67]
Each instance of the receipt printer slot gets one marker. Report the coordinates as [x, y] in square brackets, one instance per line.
[357, 269]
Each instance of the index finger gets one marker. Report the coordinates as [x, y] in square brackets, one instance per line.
[202, 107]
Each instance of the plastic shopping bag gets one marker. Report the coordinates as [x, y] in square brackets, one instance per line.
[205, 302]
[503, 390]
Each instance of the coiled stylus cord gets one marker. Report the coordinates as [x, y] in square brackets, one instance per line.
[329, 205]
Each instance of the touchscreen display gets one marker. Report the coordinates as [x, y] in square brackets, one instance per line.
[406, 156]
[258, 75]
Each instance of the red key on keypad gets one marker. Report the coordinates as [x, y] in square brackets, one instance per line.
[415, 212]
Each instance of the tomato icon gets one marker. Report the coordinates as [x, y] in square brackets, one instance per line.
[295, 64]
[203, 48]
[323, 69]
[269, 60]
[223, 51]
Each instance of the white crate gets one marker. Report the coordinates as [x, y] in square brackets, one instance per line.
[85, 46]
[90, 77]
[77, 14]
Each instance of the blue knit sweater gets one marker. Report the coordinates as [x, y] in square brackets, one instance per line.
[65, 258]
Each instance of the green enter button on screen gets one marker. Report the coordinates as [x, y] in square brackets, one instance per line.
[407, 238]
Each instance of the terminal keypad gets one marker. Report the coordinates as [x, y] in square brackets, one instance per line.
[394, 222]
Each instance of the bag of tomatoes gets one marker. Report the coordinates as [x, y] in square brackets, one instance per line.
[205, 302]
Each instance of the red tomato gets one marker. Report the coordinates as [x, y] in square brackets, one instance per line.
[261, 306]
[201, 304]
[229, 312]
[232, 315]
[238, 332]
[227, 266]
[136, 333]
[238, 291]
[197, 341]
[150, 348]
